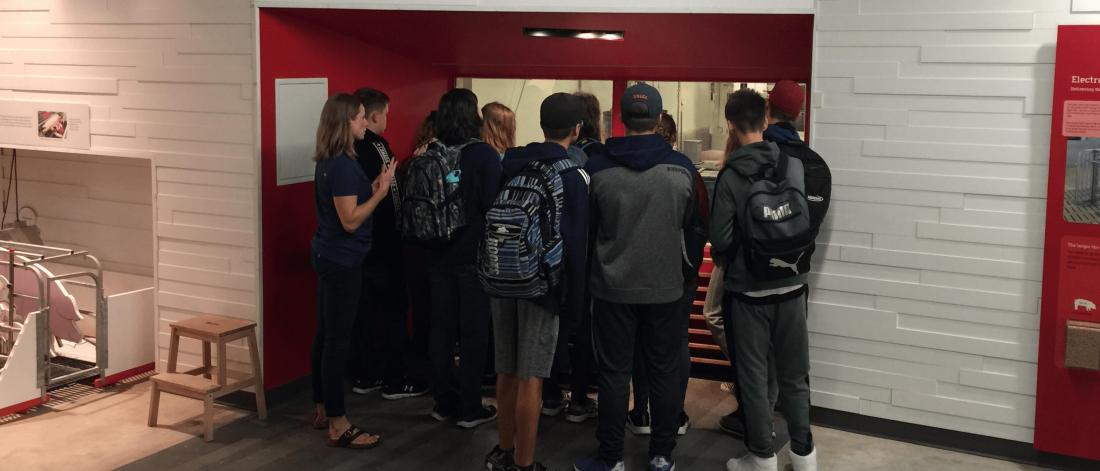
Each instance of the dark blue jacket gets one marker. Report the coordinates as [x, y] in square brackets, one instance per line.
[574, 220]
[781, 133]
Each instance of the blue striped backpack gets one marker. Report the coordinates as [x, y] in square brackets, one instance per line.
[522, 254]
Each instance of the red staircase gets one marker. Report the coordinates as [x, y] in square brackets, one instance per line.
[704, 350]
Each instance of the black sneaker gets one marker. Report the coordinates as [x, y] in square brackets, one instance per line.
[638, 423]
[366, 386]
[580, 411]
[403, 390]
[486, 414]
[731, 424]
[685, 423]
[500, 460]
[441, 414]
[552, 407]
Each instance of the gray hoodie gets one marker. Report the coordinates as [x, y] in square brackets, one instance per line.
[730, 193]
[643, 205]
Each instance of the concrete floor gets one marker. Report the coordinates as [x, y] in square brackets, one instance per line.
[87, 428]
[90, 429]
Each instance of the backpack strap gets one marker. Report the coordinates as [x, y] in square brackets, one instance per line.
[781, 167]
[561, 166]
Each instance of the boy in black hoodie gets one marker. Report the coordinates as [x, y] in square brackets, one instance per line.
[526, 330]
[379, 355]
[762, 317]
[643, 200]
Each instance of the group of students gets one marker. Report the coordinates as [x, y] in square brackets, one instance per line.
[573, 255]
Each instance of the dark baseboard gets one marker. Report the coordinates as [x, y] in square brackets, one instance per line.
[947, 439]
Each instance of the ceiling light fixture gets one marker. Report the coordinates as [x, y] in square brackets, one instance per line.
[574, 33]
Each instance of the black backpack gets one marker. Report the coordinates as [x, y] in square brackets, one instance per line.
[777, 237]
[819, 180]
[433, 208]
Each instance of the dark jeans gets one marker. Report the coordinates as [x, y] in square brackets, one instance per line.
[380, 346]
[755, 331]
[640, 377]
[460, 313]
[577, 359]
[616, 327]
[337, 307]
[415, 273]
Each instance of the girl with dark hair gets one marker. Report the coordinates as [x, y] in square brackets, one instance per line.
[460, 308]
[666, 128]
[590, 141]
[457, 119]
[345, 200]
[590, 123]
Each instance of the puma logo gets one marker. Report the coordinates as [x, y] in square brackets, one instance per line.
[815, 198]
[777, 263]
[779, 213]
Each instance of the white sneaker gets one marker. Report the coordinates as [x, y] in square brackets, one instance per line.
[751, 462]
[804, 463]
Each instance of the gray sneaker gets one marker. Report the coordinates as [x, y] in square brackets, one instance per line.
[662, 463]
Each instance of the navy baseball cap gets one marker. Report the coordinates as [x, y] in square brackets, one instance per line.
[641, 101]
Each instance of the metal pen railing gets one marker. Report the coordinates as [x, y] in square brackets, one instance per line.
[30, 256]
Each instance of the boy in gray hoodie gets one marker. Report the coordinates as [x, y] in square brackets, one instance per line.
[643, 200]
[762, 317]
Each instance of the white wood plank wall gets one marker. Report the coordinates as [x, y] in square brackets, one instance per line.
[96, 203]
[172, 82]
[935, 118]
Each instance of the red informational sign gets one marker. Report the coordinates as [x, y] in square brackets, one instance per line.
[1067, 412]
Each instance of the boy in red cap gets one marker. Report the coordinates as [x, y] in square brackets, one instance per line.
[785, 102]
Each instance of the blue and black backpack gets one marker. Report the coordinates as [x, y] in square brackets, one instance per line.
[522, 253]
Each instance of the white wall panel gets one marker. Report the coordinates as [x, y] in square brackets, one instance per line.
[170, 82]
[967, 131]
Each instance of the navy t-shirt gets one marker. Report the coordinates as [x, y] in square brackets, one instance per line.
[340, 176]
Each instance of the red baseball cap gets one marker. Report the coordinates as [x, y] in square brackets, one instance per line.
[787, 96]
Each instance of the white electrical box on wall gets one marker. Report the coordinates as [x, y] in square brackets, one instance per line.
[298, 104]
[1085, 6]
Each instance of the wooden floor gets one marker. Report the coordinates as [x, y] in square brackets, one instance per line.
[414, 441]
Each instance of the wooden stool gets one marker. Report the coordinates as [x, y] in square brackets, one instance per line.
[218, 330]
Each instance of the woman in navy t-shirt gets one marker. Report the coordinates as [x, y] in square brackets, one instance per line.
[345, 200]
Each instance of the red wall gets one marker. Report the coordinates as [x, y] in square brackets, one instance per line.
[294, 47]
[414, 57]
[1067, 401]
